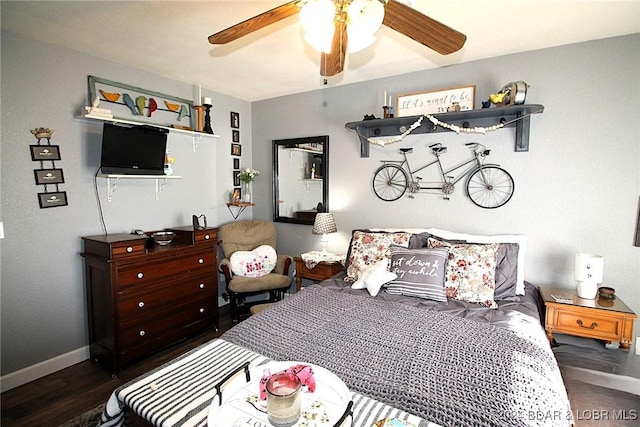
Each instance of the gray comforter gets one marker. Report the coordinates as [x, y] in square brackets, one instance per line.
[442, 367]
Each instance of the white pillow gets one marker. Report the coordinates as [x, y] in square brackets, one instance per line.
[256, 263]
[520, 239]
[374, 276]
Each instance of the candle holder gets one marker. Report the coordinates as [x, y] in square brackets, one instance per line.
[200, 114]
[207, 119]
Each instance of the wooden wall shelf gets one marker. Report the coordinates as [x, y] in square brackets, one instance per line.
[471, 118]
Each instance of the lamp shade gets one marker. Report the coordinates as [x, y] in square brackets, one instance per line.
[589, 271]
[324, 223]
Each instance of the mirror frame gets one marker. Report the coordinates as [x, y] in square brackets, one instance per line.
[324, 140]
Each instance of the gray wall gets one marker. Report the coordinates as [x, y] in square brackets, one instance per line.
[43, 306]
[576, 189]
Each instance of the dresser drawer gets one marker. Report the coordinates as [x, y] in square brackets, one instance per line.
[139, 332]
[148, 300]
[131, 274]
[585, 322]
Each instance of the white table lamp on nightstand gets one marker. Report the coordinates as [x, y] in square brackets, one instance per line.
[589, 271]
[324, 224]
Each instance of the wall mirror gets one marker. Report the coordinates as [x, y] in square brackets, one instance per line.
[300, 178]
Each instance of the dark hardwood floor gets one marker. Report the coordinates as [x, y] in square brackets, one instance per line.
[63, 395]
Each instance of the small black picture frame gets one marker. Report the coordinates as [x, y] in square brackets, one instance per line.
[235, 120]
[237, 194]
[235, 135]
[48, 176]
[236, 163]
[45, 152]
[52, 200]
[236, 178]
[236, 149]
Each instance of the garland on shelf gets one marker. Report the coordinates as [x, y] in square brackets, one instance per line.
[436, 122]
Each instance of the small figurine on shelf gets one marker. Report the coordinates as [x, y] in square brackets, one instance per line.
[313, 171]
[168, 164]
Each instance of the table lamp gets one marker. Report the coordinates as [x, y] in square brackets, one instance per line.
[589, 271]
[324, 224]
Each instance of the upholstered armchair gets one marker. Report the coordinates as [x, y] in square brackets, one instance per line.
[247, 236]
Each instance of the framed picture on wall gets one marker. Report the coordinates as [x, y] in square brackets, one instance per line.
[236, 149]
[235, 120]
[236, 163]
[236, 178]
[235, 135]
[48, 176]
[45, 152]
[52, 200]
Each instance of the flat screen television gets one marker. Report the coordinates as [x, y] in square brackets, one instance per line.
[133, 150]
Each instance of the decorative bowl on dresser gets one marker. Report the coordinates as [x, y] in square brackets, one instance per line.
[142, 296]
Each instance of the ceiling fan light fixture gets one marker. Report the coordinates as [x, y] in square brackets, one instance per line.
[364, 18]
[317, 20]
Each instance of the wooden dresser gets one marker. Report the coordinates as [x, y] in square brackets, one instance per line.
[142, 296]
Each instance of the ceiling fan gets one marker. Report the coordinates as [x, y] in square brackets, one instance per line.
[350, 19]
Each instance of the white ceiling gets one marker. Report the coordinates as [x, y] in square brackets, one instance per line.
[169, 38]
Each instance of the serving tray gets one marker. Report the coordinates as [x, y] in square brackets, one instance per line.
[241, 405]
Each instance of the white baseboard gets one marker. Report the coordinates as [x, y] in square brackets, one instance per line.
[44, 368]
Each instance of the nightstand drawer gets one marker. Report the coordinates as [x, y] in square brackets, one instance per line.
[584, 323]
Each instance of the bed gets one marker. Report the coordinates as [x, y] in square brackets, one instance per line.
[433, 326]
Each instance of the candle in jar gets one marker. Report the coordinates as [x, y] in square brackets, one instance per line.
[283, 399]
[207, 101]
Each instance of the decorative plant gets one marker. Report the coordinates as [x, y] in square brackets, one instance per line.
[248, 175]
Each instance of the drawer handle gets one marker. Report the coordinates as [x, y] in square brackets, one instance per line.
[141, 304]
[140, 275]
[129, 249]
[201, 285]
[201, 261]
[206, 237]
[593, 324]
[142, 333]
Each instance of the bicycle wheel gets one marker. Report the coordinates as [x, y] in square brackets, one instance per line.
[390, 182]
[490, 187]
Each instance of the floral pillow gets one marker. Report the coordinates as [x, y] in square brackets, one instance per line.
[370, 247]
[470, 273]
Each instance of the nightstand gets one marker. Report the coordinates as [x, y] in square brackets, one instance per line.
[323, 270]
[605, 319]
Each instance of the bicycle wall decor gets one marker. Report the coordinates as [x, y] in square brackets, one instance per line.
[488, 185]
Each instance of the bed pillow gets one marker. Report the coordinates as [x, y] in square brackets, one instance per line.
[507, 272]
[519, 239]
[374, 277]
[368, 247]
[470, 272]
[256, 263]
[421, 272]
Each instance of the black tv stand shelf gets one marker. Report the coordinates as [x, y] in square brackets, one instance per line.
[471, 118]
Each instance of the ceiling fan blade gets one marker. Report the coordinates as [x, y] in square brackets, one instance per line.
[333, 63]
[257, 22]
[421, 28]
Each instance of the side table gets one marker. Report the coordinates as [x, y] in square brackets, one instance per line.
[322, 271]
[605, 319]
